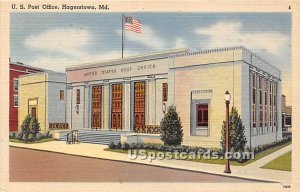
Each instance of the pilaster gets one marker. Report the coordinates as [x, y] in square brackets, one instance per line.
[126, 106]
[106, 107]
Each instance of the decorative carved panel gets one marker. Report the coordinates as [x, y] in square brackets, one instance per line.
[96, 107]
[116, 116]
[139, 104]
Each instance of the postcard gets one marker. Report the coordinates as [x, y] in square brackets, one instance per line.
[149, 95]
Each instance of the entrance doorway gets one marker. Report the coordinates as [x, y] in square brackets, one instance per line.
[116, 112]
[96, 107]
[33, 108]
[33, 112]
[139, 104]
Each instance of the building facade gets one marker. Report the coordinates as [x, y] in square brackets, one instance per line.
[130, 93]
[42, 95]
[15, 70]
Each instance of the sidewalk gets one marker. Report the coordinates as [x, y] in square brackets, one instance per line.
[251, 171]
[261, 162]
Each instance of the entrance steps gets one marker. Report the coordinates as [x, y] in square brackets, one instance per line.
[97, 137]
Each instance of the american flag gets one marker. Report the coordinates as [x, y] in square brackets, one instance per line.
[132, 24]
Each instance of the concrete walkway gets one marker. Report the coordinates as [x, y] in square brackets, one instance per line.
[251, 171]
[261, 162]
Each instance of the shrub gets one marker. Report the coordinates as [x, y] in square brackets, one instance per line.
[39, 136]
[171, 128]
[138, 145]
[264, 147]
[131, 146]
[12, 135]
[30, 137]
[29, 130]
[25, 137]
[237, 139]
[166, 148]
[47, 134]
[25, 127]
[119, 145]
[125, 146]
[196, 150]
[34, 126]
[112, 145]
[20, 136]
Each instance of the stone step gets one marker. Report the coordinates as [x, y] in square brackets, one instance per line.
[94, 136]
[97, 137]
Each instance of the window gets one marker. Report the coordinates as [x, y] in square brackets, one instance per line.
[202, 115]
[254, 115]
[253, 100]
[16, 83]
[271, 104]
[61, 95]
[77, 96]
[266, 101]
[275, 105]
[16, 103]
[260, 102]
[165, 92]
[288, 120]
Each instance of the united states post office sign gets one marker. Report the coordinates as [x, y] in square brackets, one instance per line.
[117, 71]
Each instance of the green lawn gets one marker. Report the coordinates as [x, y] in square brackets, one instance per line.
[40, 141]
[221, 161]
[284, 163]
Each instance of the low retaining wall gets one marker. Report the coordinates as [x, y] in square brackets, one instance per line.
[57, 133]
[141, 138]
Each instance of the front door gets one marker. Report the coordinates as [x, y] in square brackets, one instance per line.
[96, 107]
[33, 112]
[116, 112]
[139, 104]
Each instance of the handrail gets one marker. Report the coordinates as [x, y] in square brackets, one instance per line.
[72, 137]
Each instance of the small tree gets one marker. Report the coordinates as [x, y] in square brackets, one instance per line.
[237, 139]
[34, 126]
[25, 127]
[171, 129]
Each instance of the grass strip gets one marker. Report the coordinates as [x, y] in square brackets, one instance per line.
[283, 163]
[214, 161]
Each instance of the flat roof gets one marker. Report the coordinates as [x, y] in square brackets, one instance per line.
[28, 66]
[43, 72]
[138, 58]
[161, 55]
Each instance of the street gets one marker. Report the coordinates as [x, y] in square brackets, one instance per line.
[39, 166]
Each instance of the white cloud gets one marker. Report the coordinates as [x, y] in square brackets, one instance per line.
[60, 63]
[67, 41]
[274, 45]
[148, 37]
[71, 43]
[224, 34]
[180, 43]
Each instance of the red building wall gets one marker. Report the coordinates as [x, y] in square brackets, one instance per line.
[15, 70]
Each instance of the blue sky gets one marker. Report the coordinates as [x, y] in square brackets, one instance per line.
[57, 40]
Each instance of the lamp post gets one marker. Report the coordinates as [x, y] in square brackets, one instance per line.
[227, 101]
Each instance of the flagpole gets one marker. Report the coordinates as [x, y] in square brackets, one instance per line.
[122, 35]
